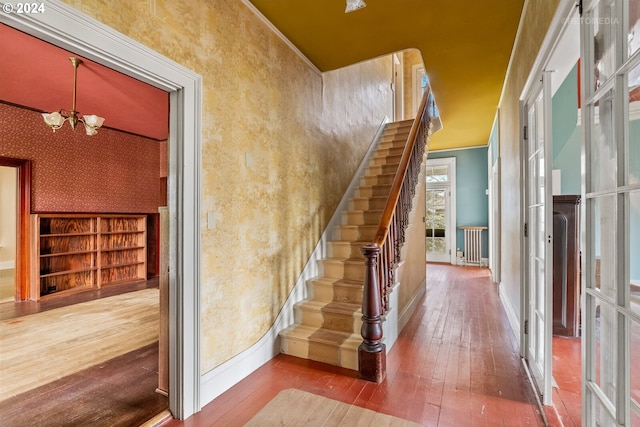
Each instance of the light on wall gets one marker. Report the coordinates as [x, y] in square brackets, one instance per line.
[353, 5]
[56, 119]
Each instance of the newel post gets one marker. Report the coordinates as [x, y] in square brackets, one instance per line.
[372, 360]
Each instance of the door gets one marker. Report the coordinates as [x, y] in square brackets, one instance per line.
[398, 87]
[539, 236]
[610, 40]
[420, 83]
[8, 234]
[440, 210]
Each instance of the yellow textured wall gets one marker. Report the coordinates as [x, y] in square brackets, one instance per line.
[411, 57]
[414, 251]
[532, 31]
[280, 146]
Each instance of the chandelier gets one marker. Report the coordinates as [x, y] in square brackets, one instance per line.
[56, 119]
[353, 5]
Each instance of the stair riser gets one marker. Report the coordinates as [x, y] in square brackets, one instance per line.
[357, 233]
[345, 250]
[396, 133]
[377, 180]
[388, 151]
[374, 203]
[360, 217]
[334, 321]
[342, 270]
[376, 190]
[326, 292]
[381, 170]
[325, 353]
[392, 142]
[391, 160]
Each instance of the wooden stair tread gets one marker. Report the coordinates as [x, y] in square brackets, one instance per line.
[322, 335]
[339, 282]
[346, 308]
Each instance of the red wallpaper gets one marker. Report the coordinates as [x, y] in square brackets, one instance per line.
[72, 172]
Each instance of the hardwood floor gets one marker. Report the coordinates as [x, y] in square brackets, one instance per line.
[119, 392]
[567, 366]
[456, 363]
[116, 392]
[11, 309]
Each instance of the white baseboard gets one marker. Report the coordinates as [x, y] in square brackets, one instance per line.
[411, 307]
[511, 313]
[226, 375]
[390, 328]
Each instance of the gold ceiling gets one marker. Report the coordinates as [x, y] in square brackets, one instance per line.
[465, 44]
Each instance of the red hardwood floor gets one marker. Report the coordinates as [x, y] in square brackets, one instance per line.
[456, 363]
[567, 396]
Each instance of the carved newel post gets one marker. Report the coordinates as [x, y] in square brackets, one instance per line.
[372, 360]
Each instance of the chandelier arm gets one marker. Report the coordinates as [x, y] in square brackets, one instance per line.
[56, 120]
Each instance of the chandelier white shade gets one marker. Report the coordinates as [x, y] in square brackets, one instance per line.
[353, 5]
[56, 119]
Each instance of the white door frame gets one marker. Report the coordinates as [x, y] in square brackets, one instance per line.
[559, 24]
[69, 29]
[494, 216]
[398, 85]
[416, 88]
[450, 186]
[538, 313]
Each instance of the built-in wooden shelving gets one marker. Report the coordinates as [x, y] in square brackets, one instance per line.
[75, 252]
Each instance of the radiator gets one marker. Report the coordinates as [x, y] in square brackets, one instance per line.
[473, 245]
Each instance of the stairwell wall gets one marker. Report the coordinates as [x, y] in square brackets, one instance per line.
[413, 274]
[280, 143]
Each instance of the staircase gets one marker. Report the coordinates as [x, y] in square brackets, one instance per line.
[327, 324]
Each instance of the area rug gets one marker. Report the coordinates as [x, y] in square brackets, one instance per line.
[43, 347]
[297, 408]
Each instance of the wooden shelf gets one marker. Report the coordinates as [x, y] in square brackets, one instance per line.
[61, 273]
[73, 252]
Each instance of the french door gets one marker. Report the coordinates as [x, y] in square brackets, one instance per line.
[610, 39]
[440, 210]
[539, 238]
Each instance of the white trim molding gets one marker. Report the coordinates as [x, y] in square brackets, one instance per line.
[514, 322]
[282, 37]
[76, 32]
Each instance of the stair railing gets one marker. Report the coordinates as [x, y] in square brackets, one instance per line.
[383, 253]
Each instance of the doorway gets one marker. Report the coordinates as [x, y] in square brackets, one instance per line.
[440, 214]
[69, 29]
[539, 238]
[8, 232]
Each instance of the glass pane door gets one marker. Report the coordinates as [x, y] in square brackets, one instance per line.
[610, 37]
[440, 209]
[539, 239]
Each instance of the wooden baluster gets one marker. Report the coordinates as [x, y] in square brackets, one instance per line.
[372, 352]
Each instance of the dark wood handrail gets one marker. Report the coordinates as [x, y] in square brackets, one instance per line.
[396, 187]
[382, 254]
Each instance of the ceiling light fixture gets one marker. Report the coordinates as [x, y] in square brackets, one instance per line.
[56, 119]
[353, 5]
